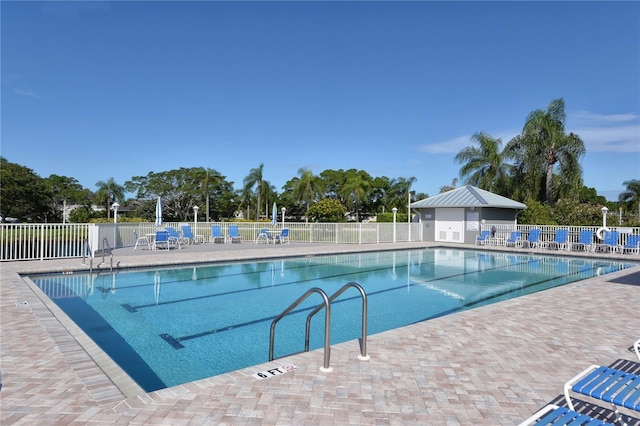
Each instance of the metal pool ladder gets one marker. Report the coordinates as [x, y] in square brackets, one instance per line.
[326, 304]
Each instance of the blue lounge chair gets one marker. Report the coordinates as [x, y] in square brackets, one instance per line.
[141, 241]
[560, 240]
[188, 236]
[174, 237]
[606, 384]
[610, 242]
[234, 235]
[514, 239]
[533, 239]
[263, 236]
[283, 237]
[585, 241]
[632, 244]
[216, 234]
[552, 415]
[483, 238]
[161, 240]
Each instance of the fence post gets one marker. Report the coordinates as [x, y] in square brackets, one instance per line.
[42, 238]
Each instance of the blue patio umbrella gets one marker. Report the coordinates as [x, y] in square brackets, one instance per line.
[274, 214]
[159, 212]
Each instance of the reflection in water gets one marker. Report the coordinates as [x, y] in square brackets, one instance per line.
[156, 286]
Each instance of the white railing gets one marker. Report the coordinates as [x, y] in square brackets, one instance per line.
[55, 241]
[548, 232]
[42, 241]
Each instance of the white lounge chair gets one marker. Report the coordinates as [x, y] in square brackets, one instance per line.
[141, 241]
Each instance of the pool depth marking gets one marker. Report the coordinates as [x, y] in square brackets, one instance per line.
[272, 372]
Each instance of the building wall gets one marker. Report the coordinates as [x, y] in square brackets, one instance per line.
[475, 218]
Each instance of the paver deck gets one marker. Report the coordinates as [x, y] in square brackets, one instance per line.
[493, 365]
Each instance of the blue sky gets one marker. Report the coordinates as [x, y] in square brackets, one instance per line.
[94, 90]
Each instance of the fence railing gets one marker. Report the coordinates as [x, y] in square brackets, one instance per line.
[56, 241]
[548, 232]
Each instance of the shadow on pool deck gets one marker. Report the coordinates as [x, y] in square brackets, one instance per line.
[632, 279]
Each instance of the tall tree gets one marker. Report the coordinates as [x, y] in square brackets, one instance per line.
[23, 194]
[483, 165]
[447, 188]
[544, 146]
[211, 178]
[306, 188]
[631, 195]
[254, 179]
[65, 191]
[109, 192]
[400, 193]
[356, 188]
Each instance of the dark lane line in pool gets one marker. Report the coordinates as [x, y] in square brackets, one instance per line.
[134, 309]
[176, 342]
[151, 305]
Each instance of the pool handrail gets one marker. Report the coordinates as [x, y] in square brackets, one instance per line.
[327, 325]
[363, 345]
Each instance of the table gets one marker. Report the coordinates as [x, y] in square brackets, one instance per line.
[273, 234]
[496, 241]
[152, 240]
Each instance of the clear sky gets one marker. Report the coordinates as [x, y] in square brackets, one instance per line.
[93, 90]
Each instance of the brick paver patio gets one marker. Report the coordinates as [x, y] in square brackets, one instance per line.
[493, 365]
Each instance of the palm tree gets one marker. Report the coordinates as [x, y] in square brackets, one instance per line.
[306, 188]
[400, 192]
[211, 178]
[543, 145]
[447, 188]
[355, 189]
[109, 192]
[255, 179]
[631, 196]
[483, 166]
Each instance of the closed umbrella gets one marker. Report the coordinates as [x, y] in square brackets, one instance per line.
[159, 212]
[274, 215]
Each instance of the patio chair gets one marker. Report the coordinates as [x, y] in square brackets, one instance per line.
[483, 238]
[513, 239]
[283, 237]
[585, 241]
[174, 237]
[216, 234]
[533, 239]
[141, 241]
[234, 236]
[632, 244]
[554, 415]
[263, 236]
[161, 240]
[560, 240]
[188, 236]
[605, 384]
[610, 242]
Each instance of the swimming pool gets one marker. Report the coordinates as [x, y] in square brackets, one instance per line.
[170, 326]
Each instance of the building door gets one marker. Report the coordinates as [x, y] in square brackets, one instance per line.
[450, 225]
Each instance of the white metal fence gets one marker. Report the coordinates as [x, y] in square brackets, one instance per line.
[548, 232]
[55, 241]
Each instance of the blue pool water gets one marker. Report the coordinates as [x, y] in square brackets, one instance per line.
[170, 326]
